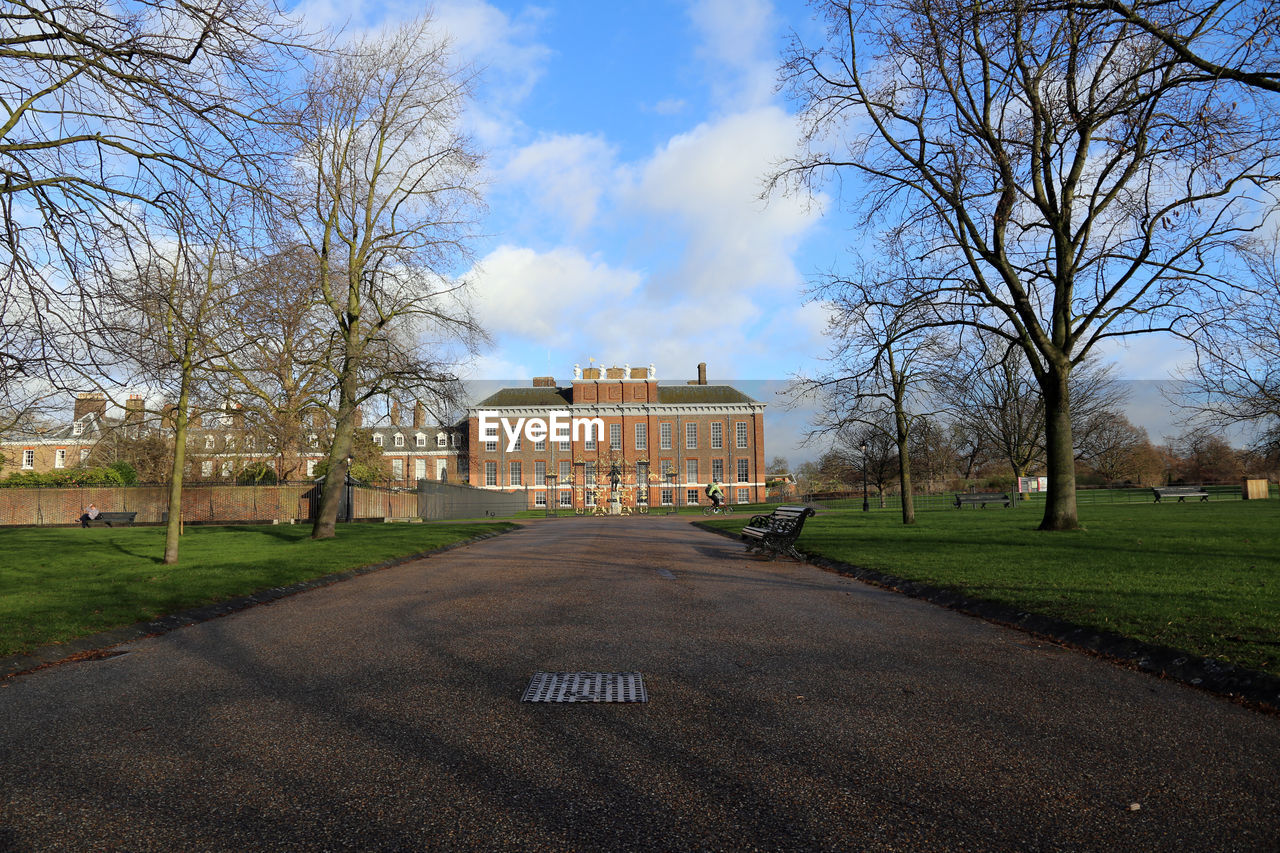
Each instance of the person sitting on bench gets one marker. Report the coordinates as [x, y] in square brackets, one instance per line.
[89, 515]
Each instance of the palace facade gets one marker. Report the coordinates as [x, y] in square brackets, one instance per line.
[660, 445]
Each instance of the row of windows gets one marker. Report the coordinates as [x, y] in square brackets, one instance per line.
[667, 496]
[397, 440]
[642, 438]
[59, 458]
[515, 472]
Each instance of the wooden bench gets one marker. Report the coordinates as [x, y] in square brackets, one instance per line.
[1180, 492]
[777, 532]
[981, 499]
[111, 519]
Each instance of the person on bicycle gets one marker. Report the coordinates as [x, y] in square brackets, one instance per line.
[715, 493]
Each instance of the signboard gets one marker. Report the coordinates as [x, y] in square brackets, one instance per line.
[1033, 484]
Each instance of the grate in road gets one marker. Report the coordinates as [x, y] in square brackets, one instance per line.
[585, 687]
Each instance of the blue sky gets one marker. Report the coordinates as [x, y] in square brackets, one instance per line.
[626, 146]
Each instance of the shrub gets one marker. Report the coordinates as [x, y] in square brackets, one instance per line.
[70, 477]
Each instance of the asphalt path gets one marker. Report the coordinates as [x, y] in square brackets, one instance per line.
[789, 709]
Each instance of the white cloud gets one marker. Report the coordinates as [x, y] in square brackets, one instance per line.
[738, 48]
[565, 175]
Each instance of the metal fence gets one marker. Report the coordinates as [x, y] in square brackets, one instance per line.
[925, 502]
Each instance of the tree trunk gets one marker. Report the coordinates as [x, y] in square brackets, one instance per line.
[335, 478]
[1060, 504]
[173, 528]
[904, 465]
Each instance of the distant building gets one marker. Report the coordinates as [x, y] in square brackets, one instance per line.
[660, 444]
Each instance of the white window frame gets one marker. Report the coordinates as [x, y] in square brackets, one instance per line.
[60, 458]
[377, 439]
[491, 473]
[442, 440]
[664, 435]
[28, 459]
[642, 436]
[491, 446]
[398, 441]
[691, 497]
[615, 436]
[84, 454]
[566, 497]
[744, 471]
[311, 467]
[691, 471]
[420, 440]
[717, 435]
[77, 428]
[515, 473]
[691, 435]
[206, 469]
[208, 442]
[667, 497]
[744, 496]
[717, 470]
[741, 428]
[397, 469]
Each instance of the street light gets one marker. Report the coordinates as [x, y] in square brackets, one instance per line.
[866, 507]
[351, 510]
[552, 495]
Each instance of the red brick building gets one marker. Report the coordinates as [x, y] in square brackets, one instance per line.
[658, 444]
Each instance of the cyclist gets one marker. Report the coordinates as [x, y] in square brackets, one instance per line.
[715, 493]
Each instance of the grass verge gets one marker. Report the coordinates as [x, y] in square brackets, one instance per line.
[62, 583]
[1203, 578]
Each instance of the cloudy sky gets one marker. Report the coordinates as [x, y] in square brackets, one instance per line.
[627, 144]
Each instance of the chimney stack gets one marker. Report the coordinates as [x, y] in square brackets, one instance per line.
[90, 403]
[702, 373]
[419, 415]
[395, 413]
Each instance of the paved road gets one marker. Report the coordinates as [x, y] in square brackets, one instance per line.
[790, 709]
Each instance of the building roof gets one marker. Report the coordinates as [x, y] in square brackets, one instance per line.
[700, 394]
[511, 397]
[667, 395]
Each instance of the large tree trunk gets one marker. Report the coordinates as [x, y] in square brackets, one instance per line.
[173, 528]
[904, 465]
[1060, 504]
[335, 479]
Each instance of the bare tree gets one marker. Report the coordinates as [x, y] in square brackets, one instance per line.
[882, 357]
[383, 195]
[107, 107]
[1075, 181]
[1236, 377]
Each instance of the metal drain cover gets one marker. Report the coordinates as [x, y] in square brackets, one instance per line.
[585, 687]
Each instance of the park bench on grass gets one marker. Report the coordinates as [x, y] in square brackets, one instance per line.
[981, 499]
[777, 532]
[1180, 492]
[111, 519]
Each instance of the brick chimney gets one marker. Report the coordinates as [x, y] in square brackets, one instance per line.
[395, 413]
[133, 411]
[91, 403]
[702, 373]
[419, 415]
[358, 418]
[544, 382]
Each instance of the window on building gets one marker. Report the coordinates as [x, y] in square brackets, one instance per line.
[666, 497]
[442, 440]
[717, 435]
[453, 439]
[491, 445]
[566, 498]
[540, 444]
[566, 471]
[77, 428]
[420, 440]
[642, 436]
[590, 443]
[491, 473]
[615, 436]
[591, 473]
[563, 446]
[398, 440]
[208, 442]
[691, 497]
[691, 470]
[667, 468]
[226, 467]
[540, 499]
[249, 442]
[717, 470]
[744, 496]
[313, 440]
[377, 439]
[744, 470]
[664, 436]
[420, 469]
[591, 497]
[311, 467]
[397, 469]
[60, 458]
[517, 474]
[539, 472]
[206, 468]
[741, 427]
[229, 441]
[519, 444]
[690, 436]
[28, 459]
[84, 454]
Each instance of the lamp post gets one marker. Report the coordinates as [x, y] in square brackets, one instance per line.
[351, 510]
[671, 485]
[552, 495]
[866, 507]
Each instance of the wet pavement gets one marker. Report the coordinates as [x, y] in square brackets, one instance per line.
[789, 709]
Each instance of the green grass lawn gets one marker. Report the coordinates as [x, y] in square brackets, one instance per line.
[1201, 577]
[61, 583]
